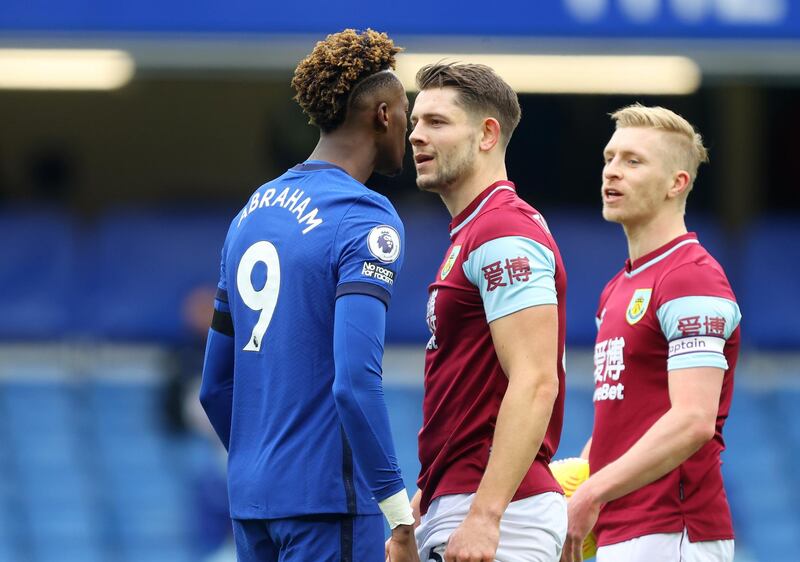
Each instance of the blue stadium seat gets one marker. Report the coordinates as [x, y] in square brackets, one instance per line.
[66, 484]
[759, 479]
[578, 421]
[405, 415]
[593, 252]
[38, 289]
[69, 551]
[769, 295]
[144, 488]
[165, 551]
[123, 406]
[10, 524]
[427, 240]
[141, 266]
[37, 394]
[786, 402]
[142, 525]
[10, 550]
[75, 523]
[773, 535]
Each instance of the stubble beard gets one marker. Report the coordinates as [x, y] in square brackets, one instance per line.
[451, 169]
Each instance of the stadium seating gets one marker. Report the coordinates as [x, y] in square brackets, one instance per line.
[139, 266]
[124, 276]
[91, 472]
[38, 256]
[769, 281]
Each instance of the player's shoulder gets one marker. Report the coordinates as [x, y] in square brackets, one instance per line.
[692, 272]
[511, 217]
[374, 199]
[348, 198]
[369, 206]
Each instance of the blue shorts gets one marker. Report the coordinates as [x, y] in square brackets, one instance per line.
[321, 538]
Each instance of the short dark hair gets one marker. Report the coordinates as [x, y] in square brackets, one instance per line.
[325, 79]
[480, 90]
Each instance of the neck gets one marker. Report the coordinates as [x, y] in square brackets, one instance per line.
[459, 195]
[645, 237]
[349, 149]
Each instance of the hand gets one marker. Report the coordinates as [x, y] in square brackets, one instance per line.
[402, 546]
[582, 513]
[475, 540]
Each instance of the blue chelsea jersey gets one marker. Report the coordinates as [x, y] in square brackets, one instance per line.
[302, 240]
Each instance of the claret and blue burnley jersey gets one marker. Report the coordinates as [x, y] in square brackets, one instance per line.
[670, 309]
[301, 241]
[502, 259]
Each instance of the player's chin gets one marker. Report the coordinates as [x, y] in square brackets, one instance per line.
[613, 215]
[427, 183]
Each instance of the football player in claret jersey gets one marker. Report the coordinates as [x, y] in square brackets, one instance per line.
[667, 344]
[494, 376]
[292, 375]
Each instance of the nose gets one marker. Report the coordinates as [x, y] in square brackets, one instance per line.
[612, 169]
[416, 137]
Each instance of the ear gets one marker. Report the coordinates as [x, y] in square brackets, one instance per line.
[680, 184]
[490, 134]
[381, 121]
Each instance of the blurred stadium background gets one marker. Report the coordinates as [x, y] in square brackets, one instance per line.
[118, 180]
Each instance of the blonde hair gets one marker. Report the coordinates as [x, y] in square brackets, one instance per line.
[691, 152]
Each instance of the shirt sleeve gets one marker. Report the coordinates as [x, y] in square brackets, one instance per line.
[370, 249]
[216, 389]
[697, 329]
[512, 273]
[697, 315]
[359, 326]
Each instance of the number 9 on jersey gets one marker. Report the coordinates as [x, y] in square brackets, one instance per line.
[263, 300]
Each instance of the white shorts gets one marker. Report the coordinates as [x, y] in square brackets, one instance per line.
[531, 530]
[666, 547]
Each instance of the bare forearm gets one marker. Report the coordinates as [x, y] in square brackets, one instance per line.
[521, 425]
[669, 442]
[586, 449]
[415, 503]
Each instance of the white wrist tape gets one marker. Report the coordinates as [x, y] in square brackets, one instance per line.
[397, 509]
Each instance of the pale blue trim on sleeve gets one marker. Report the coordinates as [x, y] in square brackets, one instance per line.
[518, 293]
[671, 311]
[699, 359]
[703, 347]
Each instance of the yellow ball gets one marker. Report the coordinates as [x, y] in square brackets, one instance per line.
[571, 473]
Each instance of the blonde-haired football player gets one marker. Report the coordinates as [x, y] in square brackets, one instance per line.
[667, 344]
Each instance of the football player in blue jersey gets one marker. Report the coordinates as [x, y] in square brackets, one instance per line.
[292, 376]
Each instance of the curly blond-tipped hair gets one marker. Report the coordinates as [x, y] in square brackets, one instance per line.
[325, 79]
[690, 150]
